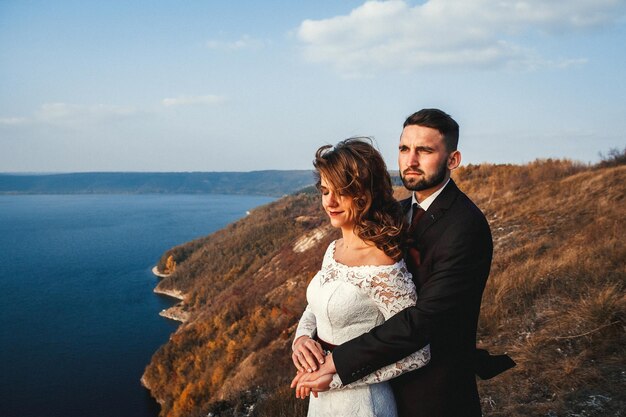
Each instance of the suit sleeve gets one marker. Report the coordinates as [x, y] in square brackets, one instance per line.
[462, 255]
[391, 292]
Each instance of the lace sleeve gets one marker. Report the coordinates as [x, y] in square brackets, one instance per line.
[392, 291]
[307, 325]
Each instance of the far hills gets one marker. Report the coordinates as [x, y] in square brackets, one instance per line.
[271, 183]
[554, 300]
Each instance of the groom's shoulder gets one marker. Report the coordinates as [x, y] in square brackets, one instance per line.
[464, 207]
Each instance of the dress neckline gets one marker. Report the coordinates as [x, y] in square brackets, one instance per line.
[336, 262]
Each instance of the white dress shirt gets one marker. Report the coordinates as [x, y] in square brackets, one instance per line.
[426, 203]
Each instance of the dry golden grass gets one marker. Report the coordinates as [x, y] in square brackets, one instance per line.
[555, 298]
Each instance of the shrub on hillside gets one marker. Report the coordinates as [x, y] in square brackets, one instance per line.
[614, 158]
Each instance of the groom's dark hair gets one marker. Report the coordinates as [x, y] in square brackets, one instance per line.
[437, 119]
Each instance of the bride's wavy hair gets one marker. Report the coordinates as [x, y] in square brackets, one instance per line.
[355, 168]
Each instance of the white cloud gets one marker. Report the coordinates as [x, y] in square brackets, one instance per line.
[64, 113]
[244, 42]
[192, 100]
[384, 35]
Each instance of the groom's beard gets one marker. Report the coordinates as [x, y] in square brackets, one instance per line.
[425, 182]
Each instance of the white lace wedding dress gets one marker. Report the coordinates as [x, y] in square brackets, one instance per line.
[343, 303]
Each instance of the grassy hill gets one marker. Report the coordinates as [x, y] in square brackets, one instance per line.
[554, 301]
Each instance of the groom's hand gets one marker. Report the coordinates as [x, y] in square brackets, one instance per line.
[308, 386]
[300, 377]
[306, 382]
[328, 367]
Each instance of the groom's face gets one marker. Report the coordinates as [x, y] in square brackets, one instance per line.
[422, 158]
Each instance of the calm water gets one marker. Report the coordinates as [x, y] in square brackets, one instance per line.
[78, 319]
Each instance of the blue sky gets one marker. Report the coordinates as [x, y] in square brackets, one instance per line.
[248, 85]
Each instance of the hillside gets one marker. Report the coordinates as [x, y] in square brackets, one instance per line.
[554, 301]
[272, 183]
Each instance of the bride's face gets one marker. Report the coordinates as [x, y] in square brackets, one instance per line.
[340, 208]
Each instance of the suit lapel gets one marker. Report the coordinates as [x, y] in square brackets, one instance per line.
[437, 209]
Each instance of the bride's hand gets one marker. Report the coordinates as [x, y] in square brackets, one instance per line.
[307, 354]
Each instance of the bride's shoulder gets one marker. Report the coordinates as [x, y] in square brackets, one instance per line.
[330, 251]
[378, 257]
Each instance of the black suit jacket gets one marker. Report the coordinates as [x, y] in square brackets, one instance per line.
[454, 241]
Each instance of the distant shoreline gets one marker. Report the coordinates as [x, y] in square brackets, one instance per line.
[270, 183]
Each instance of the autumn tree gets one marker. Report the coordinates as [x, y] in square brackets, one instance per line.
[170, 265]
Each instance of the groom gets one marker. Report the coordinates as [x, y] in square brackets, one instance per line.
[449, 255]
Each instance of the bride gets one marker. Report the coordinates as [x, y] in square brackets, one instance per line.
[363, 280]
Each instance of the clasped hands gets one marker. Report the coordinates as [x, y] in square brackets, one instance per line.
[315, 369]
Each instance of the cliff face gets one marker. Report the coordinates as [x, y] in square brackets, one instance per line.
[554, 300]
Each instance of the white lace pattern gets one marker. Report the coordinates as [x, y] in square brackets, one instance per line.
[345, 302]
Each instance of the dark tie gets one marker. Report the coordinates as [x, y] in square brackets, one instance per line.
[417, 214]
[413, 255]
